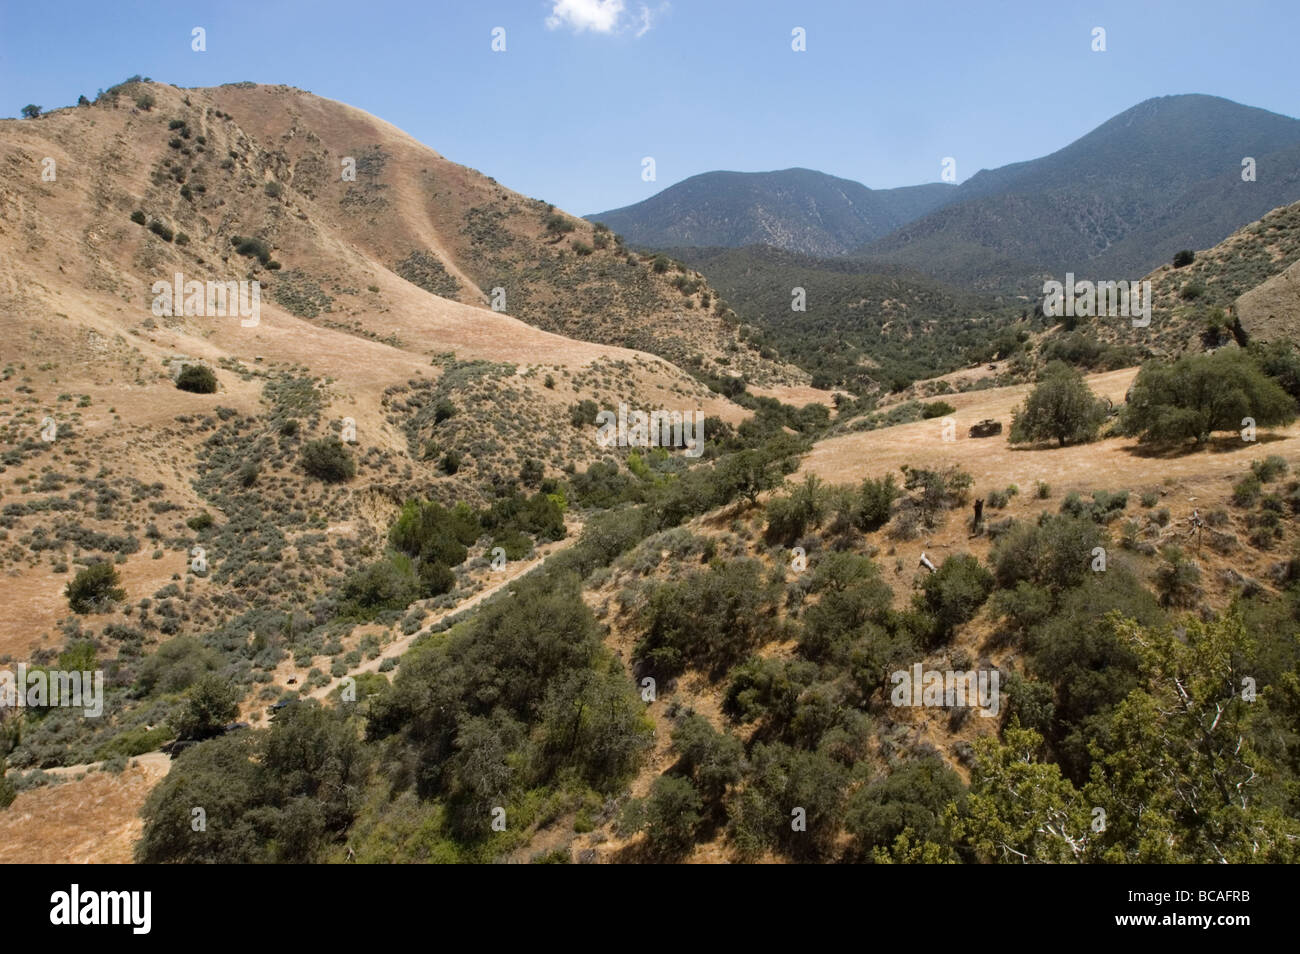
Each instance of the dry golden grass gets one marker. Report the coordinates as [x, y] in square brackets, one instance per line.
[91, 819]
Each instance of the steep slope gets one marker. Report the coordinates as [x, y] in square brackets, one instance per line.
[861, 327]
[1194, 307]
[1163, 175]
[370, 321]
[799, 210]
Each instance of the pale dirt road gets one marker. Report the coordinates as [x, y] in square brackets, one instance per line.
[510, 574]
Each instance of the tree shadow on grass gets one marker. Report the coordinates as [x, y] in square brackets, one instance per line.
[1223, 444]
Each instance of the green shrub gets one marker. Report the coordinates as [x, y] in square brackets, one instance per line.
[1178, 578]
[197, 378]
[200, 522]
[789, 517]
[913, 798]
[998, 499]
[937, 409]
[1269, 469]
[1247, 490]
[133, 742]
[710, 619]
[138, 217]
[161, 230]
[94, 588]
[875, 502]
[251, 247]
[558, 224]
[583, 413]
[670, 816]
[953, 594]
[328, 460]
[1055, 553]
[387, 584]
[1104, 508]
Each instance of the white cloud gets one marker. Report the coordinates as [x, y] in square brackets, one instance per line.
[599, 16]
[602, 16]
[645, 22]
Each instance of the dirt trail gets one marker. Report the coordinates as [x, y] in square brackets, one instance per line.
[510, 574]
[150, 760]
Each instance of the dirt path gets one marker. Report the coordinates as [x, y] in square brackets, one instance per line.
[513, 571]
[150, 760]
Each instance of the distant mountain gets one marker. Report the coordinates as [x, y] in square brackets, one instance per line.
[1164, 175]
[799, 210]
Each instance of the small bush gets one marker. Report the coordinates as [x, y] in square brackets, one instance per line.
[199, 523]
[251, 247]
[197, 379]
[1269, 469]
[558, 224]
[328, 460]
[93, 588]
[1246, 491]
[937, 409]
[1178, 580]
[138, 217]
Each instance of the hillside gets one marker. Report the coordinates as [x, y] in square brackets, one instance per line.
[1194, 306]
[798, 210]
[864, 327]
[249, 526]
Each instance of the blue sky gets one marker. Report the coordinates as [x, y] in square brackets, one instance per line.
[586, 88]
